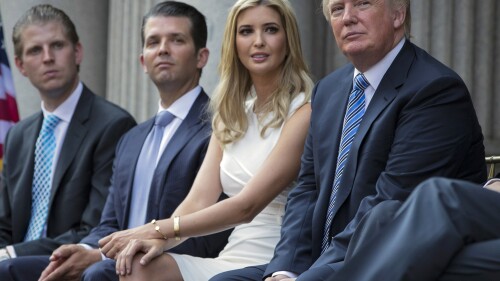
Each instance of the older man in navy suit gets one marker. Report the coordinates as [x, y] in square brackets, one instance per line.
[392, 118]
[149, 184]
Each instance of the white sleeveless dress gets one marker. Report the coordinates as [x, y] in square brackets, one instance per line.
[251, 243]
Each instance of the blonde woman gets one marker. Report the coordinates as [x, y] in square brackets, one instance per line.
[261, 115]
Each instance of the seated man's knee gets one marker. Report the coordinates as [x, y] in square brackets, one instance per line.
[436, 187]
[475, 261]
[23, 268]
[251, 273]
[5, 270]
[101, 271]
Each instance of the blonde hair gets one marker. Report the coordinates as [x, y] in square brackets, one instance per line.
[398, 3]
[228, 102]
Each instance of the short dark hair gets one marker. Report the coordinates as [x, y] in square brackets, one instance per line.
[179, 9]
[40, 14]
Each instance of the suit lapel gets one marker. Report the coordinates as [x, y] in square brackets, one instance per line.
[329, 149]
[127, 171]
[332, 117]
[75, 135]
[189, 127]
[384, 95]
[28, 157]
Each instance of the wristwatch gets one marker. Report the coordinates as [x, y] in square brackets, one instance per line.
[4, 254]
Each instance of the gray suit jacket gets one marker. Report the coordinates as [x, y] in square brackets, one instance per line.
[81, 179]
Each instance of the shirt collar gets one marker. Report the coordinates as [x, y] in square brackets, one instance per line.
[66, 109]
[375, 74]
[181, 106]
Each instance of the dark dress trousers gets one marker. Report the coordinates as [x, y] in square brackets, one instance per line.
[172, 180]
[446, 230]
[420, 123]
[81, 178]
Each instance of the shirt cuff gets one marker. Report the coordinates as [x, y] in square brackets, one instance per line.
[12, 252]
[4, 255]
[286, 273]
[491, 181]
[88, 247]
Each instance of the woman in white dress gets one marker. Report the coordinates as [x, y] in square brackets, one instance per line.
[261, 115]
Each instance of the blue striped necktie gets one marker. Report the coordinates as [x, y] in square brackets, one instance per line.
[42, 177]
[352, 119]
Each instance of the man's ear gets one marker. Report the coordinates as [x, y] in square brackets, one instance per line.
[141, 60]
[78, 53]
[20, 65]
[203, 54]
[399, 17]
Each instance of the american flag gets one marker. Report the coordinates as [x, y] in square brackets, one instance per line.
[8, 107]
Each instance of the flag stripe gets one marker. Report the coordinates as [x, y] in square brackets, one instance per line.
[6, 81]
[8, 109]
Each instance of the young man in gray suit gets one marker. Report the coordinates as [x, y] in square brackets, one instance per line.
[58, 162]
[148, 183]
[380, 125]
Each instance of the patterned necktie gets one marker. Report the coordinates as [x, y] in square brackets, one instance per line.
[352, 119]
[42, 177]
[145, 168]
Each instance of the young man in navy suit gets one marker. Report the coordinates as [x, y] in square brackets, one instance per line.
[174, 37]
[54, 194]
[380, 125]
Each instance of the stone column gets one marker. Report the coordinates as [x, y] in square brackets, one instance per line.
[91, 21]
[463, 34]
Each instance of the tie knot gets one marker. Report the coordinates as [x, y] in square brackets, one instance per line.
[163, 118]
[50, 122]
[360, 82]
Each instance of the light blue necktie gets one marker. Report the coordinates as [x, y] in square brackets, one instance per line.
[42, 177]
[352, 119]
[145, 168]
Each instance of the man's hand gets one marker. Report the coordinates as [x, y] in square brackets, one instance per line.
[113, 244]
[280, 278]
[495, 186]
[68, 262]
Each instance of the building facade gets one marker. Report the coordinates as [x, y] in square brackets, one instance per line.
[460, 33]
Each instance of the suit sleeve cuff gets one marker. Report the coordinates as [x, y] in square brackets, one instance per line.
[286, 273]
[491, 181]
[88, 247]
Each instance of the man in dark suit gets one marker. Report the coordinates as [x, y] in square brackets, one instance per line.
[417, 121]
[47, 202]
[173, 56]
[446, 230]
